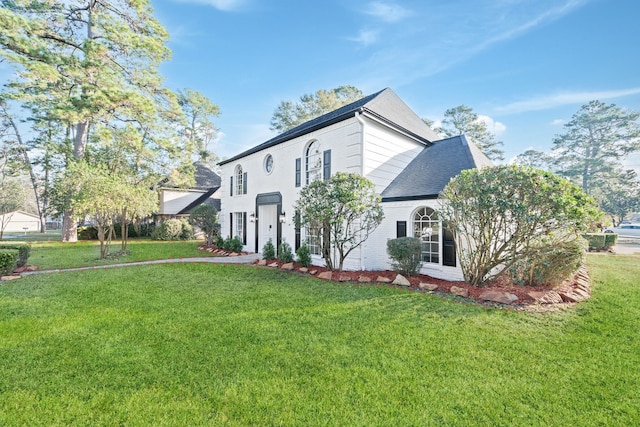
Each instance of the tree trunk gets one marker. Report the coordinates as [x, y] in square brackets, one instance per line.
[69, 229]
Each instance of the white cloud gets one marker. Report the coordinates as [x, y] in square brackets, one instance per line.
[558, 122]
[225, 5]
[365, 37]
[497, 128]
[388, 12]
[567, 98]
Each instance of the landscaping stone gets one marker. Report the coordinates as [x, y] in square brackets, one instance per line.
[273, 265]
[303, 269]
[326, 275]
[428, 286]
[548, 297]
[498, 296]
[262, 262]
[461, 292]
[9, 277]
[400, 280]
[383, 279]
[287, 266]
[313, 272]
[344, 278]
[364, 279]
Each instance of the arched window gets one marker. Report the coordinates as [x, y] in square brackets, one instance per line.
[313, 162]
[239, 181]
[426, 227]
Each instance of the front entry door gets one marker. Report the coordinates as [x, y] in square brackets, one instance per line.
[267, 225]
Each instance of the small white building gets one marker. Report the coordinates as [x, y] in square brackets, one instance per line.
[19, 221]
[176, 202]
[378, 137]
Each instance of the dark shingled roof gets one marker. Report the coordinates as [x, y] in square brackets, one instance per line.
[385, 105]
[205, 178]
[427, 175]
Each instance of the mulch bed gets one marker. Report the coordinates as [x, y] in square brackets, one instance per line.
[524, 301]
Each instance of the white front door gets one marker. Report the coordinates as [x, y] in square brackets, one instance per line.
[267, 225]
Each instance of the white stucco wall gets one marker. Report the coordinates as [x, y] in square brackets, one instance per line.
[173, 201]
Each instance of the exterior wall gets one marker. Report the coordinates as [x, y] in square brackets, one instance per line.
[386, 154]
[173, 201]
[343, 139]
[376, 257]
[16, 221]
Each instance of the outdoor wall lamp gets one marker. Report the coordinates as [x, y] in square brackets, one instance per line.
[283, 217]
[253, 217]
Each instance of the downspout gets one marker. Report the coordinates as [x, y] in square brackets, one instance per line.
[362, 163]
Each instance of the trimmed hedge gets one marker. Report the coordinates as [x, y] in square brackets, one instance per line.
[8, 261]
[24, 251]
[601, 241]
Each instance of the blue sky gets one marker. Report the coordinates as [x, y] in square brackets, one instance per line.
[527, 65]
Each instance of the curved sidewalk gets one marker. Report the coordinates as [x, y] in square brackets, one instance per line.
[240, 259]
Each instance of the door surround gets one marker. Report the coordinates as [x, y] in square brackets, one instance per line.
[274, 198]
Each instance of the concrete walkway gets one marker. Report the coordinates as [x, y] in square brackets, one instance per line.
[240, 259]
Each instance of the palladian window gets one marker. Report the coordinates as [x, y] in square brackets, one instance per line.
[313, 162]
[426, 227]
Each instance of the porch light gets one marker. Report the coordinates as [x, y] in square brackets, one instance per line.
[252, 217]
[283, 217]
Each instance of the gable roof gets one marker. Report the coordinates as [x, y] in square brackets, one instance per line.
[427, 175]
[205, 179]
[384, 105]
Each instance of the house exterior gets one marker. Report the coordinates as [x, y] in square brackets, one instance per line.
[176, 202]
[378, 137]
[19, 221]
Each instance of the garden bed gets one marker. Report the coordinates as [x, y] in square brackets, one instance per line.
[498, 293]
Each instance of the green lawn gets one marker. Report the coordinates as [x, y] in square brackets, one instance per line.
[50, 255]
[204, 344]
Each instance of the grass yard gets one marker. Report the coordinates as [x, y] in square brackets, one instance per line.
[203, 344]
[51, 255]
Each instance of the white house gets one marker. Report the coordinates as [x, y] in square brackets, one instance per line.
[176, 202]
[379, 137]
[19, 221]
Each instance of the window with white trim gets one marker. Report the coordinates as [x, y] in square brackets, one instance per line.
[239, 181]
[313, 162]
[426, 227]
[238, 225]
[314, 240]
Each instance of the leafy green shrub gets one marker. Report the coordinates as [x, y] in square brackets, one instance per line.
[304, 256]
[8, 261]
[269, 251]
[553, 260]
[284, 252]
[171, 229]
[24, 251]
[220, 242]
[187, 230]
[405, 253]
[205, 217]
[233, 245]
[601, 241]
[87, 233]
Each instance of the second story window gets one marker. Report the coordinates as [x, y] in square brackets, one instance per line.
[240, 185]
[313, 162]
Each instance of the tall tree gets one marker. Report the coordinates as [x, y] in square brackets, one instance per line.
[12, 196]
[89, 61]
[291, 114]
[199, 129]
[619, 195]
[462, 120]
[596, 138]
